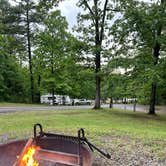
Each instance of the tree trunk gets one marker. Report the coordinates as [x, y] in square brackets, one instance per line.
[97, 98]
[153, 98]
[111, 101]
[156, 53]
[53, 97]
[29, 55]
[153, 89]
[134, 105]
[63, 100]
[125, 103]
[52, 72]
[98, 80]
[97, 58]
[99, 34]
[38, 91]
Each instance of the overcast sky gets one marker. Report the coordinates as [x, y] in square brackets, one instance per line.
[70, 10]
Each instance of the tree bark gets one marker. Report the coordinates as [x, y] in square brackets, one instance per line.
[38, 91]
[111, 101]
[98, 95]
[52, 72]
[97, 77]
[153, 98]
[53, 97]
[97, 58]
[29, 54]
[134, 105]
[156, 53]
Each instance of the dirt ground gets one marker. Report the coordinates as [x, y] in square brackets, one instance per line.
[131, 152]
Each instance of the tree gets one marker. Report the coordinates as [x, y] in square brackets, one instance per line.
[12, 75]
[156, 34]
[9, 27]
[52, 42]
[142, 29]
[28, 17]
[93, 32]
[12, 80]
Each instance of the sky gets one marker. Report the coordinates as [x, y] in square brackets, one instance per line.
[69, 10]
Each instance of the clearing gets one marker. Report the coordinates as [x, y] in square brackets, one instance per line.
[131, 138]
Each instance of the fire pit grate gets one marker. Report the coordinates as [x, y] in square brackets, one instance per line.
[55, 149]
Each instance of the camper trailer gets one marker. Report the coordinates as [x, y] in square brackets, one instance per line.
[58, 99]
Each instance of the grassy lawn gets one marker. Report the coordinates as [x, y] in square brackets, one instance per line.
[103, 122]
[124, 134]
[6, 104]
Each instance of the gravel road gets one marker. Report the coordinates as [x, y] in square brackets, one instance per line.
[7, 109]
[139, 108]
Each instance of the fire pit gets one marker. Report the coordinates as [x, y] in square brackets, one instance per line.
[49, 149]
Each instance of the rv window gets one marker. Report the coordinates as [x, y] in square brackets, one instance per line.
[50, 98]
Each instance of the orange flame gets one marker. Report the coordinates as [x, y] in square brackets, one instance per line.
[28, 158]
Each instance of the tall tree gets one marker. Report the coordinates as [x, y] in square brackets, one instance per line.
[12, 74]
[52, 42]
[142, 28]
[93, 32]
[29, 18]
[157, 32]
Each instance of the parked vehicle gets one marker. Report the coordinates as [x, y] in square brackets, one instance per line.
[82, 102]
[58, 99]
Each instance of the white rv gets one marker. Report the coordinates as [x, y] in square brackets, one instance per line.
[58, 99]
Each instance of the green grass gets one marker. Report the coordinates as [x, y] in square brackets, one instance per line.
[6, 104]
[96, 123]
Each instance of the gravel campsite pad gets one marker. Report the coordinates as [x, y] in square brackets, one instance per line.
[131, 152]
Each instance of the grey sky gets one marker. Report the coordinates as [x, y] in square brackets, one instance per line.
[70, 10]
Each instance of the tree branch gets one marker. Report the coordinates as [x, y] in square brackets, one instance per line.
[90, 10]
[114, 10]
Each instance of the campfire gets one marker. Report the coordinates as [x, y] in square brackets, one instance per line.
[49, 149]
[28, 158]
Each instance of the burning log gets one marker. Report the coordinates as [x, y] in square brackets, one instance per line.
[26, 157]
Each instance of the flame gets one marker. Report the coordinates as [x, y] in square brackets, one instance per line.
[28, 158]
